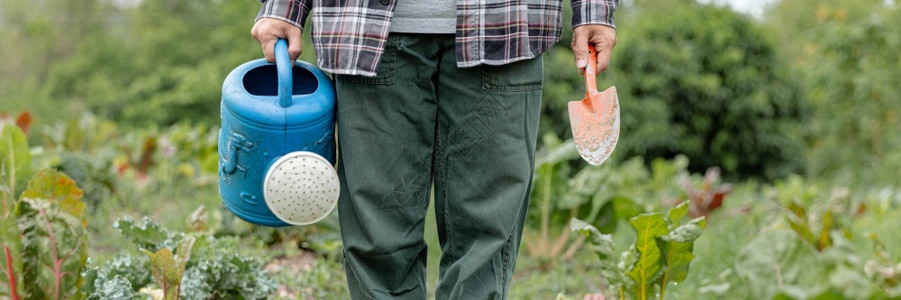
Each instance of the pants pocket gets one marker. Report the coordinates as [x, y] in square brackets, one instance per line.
[384, 74]
[524, 75]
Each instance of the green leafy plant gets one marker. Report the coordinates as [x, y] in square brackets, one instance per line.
[779, 264]
[168, 269]
[23, 120]
[102, 285]
[811, 254]
[853, 131]
[93, 176]
[883, 271]
[551, 169]
[810, 215]
[44, 240]
[203, 266]
[660, 255]
[602, 196]
[15, 163]
[143, 161]
[709, 196]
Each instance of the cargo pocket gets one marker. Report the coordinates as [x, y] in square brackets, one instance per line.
[384, 73]
[524, 75]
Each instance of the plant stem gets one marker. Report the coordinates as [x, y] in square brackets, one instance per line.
[56, 261]
[575, 246]
[12, 171]
[10, 275]
[665, 279]
[663, 284]
[546, 207]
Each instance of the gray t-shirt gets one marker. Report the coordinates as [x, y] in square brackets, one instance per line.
[424, 16]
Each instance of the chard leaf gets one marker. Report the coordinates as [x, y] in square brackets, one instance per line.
[700, 221]
[685, 233]
[799, 223]
[52, 223]
[132, 268]
[581, 188]
[184, 251]
[10, 248]
[602, 244]
[164, 272]
[779, 262]
[560, 151]
[149, 235]
[100, 286]
[626, 261]
[168, 269]
[57, 188]
[647, 228]
[677, 256]
[677, 249]
[15, 160]
[676, 214]
[824, 239]
[51, 237]
[32, 261]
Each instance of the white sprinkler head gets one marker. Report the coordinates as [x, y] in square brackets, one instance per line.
[301, 188]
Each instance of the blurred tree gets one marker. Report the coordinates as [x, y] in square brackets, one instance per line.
[33, 36]
[137, 63]
[847, 54]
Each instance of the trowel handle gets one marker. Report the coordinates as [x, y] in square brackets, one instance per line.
[285, 80]
[591, 86]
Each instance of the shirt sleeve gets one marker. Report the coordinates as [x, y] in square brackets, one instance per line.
[594, 12]
[291, 11]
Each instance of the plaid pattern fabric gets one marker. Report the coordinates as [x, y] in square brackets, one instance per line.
[349, 35]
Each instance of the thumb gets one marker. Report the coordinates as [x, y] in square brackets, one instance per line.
[580, 49]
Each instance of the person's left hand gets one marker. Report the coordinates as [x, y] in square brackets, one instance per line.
[268, 30]
[602, 37]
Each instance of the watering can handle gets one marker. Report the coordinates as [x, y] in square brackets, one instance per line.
[285, 80]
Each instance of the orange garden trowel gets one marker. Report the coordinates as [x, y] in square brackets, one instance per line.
[595, 119]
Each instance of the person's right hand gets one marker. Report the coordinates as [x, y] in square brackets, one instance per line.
[268, 30]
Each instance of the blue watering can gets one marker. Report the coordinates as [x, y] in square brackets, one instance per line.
[276, 143]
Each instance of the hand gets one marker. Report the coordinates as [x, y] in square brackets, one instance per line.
[603, 38]
[268, 30]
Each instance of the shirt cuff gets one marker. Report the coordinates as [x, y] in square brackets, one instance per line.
[292, 11]
[594, 12]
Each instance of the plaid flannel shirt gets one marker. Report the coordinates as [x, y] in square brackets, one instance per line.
[349, 35]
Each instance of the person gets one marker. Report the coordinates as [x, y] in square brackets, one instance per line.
[435, 94]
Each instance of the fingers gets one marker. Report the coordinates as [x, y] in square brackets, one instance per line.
[603, 58]
[601, 36]
[268, 46]
[580, 49]
[294, 43]
[268, 30]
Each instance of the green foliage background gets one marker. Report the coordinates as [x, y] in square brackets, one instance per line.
[810, 87]
[139, 63]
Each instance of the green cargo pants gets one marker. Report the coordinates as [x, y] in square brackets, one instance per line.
[420, 122]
